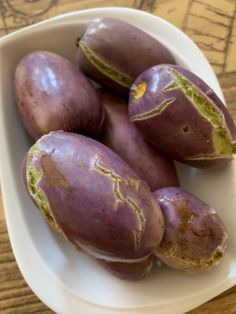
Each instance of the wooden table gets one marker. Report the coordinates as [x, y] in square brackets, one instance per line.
[210, 23]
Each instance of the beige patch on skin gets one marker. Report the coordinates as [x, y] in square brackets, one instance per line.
[213, 156]
[55, 177]
[192, 265]
[171, 252]
[119, 197]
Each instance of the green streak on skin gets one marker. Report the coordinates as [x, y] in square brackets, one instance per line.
[221, 137]
[154, 112]
[33, 178]
[119, 197]
[114, 74]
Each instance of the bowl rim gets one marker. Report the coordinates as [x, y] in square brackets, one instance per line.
[7, 181]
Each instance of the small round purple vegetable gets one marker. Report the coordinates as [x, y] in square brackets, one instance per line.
[130, 271]
[195, 238]
[93, 197]
[52, 94]
[182, 116]
[124, 138]
[114, 53]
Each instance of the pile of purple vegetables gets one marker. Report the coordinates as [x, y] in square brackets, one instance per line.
[101, 169]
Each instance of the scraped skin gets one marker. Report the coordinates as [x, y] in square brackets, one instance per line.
[114, 74]
[96, 199]
[52, 94]
[123, 137]
[181, 115]
[130, 271]
[31, 177]
[114, 53]
[127, 271]
[195, 239]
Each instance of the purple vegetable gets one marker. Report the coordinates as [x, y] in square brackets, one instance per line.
[114, 53]
[195, 238]
[123, 270]
[93, 197]
[130, 271]
[52, 94]
[182, 116]
[123, 137]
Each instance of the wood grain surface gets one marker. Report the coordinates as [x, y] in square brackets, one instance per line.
[210, 23]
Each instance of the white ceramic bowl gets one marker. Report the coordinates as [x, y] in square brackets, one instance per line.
[66, 280]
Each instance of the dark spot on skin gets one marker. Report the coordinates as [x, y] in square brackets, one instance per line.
[218, 255]
[185, 129]
[204, 134]
[45, 94]
[77, 41]
[210, 262]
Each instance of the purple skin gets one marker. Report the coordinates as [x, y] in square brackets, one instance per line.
[124, 138]
[52, 94]
[127, 271]
[130, 271]
[122, 47]
[195, 238]
[95, 198]
[168, 119]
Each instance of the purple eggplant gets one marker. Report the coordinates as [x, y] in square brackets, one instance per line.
[93, 197]
[130, 271]
[195, 238]
[127, 271]
[52, 94]
[114, 53]
[124, 138]
[182, 116]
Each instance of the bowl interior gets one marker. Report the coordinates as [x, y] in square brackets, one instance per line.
[79, 273]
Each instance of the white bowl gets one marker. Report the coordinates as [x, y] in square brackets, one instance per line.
[63, 278]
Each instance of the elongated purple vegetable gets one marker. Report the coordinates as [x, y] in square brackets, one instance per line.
[182, 116]
[93, 197]
[114, 53]
[52, 94]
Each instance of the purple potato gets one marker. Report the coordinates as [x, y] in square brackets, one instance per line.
[94, 197]
[130, 271]
[124, 138]
[114, 53]
[182, 116]
[195, 238]
[52, 94]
